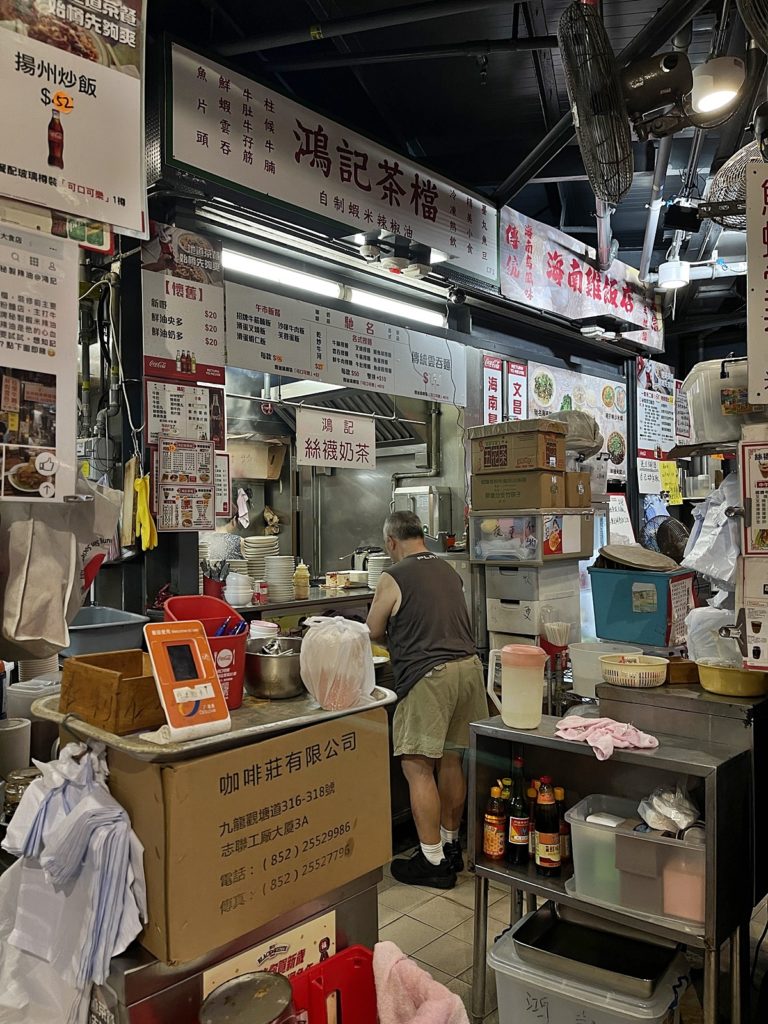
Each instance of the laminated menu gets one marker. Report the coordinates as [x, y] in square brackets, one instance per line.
[186, 489]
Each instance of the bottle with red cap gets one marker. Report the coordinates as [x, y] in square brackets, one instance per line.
[548, 856]
[519, 822]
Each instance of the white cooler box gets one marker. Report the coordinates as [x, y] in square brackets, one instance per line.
[507, 615]
[528, 993]
[561, 579]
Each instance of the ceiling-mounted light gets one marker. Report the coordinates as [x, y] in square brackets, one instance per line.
[403, 309]
[674, 274]
[253, 267]
[716, 83]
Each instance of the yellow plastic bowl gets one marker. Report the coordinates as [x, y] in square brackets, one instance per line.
[732, 682]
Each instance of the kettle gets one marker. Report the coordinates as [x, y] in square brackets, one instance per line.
[359, 557]
[522, 684]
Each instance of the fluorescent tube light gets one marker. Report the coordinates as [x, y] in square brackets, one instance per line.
[406, 310]
[277, 274]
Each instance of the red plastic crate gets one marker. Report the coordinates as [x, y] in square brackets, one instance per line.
[228, 651]
[349, 974]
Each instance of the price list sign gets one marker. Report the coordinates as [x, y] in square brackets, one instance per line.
[178, 411]
[656, 427]
[185, 485]
[274, 334]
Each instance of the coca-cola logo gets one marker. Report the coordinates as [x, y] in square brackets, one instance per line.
[158, 364]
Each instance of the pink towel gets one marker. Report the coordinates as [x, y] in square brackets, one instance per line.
[406, 994]
[604, 735]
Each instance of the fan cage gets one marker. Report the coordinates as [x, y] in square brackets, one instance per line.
[754, 14]
[730, 185]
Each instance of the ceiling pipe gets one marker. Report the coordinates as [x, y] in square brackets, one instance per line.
[710, 271]
[387, 18]
[607, 249]
[669, 20]
[657, 201]
[481, 48]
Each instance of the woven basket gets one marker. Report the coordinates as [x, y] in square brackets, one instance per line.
[634, 670]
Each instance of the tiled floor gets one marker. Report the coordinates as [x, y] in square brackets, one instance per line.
[435, 928]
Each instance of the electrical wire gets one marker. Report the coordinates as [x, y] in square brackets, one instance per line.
[136, 432]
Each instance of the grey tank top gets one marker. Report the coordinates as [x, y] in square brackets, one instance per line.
[432, 625]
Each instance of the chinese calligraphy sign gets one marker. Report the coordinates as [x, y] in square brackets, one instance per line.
[335, 439]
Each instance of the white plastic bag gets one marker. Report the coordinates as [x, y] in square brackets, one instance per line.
[704, 640]
[668, 810]
[336, 662]
[715, 544]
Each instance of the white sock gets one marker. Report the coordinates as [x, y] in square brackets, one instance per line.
[434, 854]
[448, 835]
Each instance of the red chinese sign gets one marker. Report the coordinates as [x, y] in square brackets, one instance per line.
[546, 269]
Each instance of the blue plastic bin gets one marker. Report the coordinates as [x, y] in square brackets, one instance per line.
[646, 608]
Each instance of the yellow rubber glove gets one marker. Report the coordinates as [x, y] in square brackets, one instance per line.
[145, 524]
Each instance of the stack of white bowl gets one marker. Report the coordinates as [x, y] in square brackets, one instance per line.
[279, 575]
[376, 566]
[237, 565]
[237, 589]
[262, 630]
[256, 550]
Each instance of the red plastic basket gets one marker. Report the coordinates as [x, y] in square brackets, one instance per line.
[349, 974]
[228, 651]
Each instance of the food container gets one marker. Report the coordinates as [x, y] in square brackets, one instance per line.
[639, 671]
[97, 629]
[585, 662]
[531, 537]
[566, 1000]
[273, 676]
[358, 578]
[640, 607]
[731, 682]
[718, 400]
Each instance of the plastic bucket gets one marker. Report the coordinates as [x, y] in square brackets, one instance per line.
[228, 651]
[585, 663]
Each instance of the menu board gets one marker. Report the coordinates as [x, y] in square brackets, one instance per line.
[180, 411]
[73, 116]
[274, 334]
[656, 431]
[683, 429]
[492, 389]
[38, 366]
[553, 390]
[182, 291]
[517, 390]
[185, 489]
[222, 479]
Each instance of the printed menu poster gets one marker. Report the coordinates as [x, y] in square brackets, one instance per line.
[754, 477]
[553, 390]
[182, 291]
[222, 479]
[72, 118]
[186, 498]
[275, 334]
[38, 365]
[176, 410]
[656, 431]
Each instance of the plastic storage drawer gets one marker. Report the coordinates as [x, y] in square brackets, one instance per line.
[544, 583]
[646, 608]
[528, 617]
[528, 993]
[531, 538]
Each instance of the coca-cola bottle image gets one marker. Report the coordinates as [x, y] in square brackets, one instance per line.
[55, 141]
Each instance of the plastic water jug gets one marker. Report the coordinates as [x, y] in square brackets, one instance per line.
[522, 684]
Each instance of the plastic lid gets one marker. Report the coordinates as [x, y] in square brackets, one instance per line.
[518, 762]
[507, 782]
[523, 656]
[546, 780]
[495, 793]
[559, 793]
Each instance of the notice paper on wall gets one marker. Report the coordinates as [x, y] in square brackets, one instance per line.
[620, 524]
[669, 477]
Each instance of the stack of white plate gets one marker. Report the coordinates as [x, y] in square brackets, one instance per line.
[256, 550]
[376, 566]
[279, 571]
[237, 589]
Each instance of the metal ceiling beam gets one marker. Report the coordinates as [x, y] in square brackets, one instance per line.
[536, 26]
[659, 30]
[328, 29]
[481, 48]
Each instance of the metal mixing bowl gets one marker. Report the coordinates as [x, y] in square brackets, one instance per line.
[273, 676]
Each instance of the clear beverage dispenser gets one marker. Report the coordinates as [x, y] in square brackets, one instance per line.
[522, 684]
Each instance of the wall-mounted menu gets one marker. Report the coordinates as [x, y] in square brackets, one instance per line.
[186, 498]
[176, 410]
[553, 390]
[274, 334]
[655, 421]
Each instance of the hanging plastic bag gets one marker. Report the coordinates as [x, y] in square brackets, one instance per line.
[704, 641]
[337, 663]
[717, 544]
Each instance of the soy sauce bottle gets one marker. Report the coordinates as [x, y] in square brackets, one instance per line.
[519, 818]
[548, 857]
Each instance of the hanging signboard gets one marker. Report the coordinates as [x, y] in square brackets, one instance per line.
[335, 439]
[274, 334]
[182, 291]
[73, 118]
[238, 132]
[757, 281]
[178, 411]
[38, 365]
[517, 390]
[655, 421]
[554, 390]
[492, 389]
[543, 268]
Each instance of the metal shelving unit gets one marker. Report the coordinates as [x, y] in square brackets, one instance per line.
[721, 775]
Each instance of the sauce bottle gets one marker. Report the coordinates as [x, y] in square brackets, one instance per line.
[301, 582]
[565, 828]
[494, 826]
[548, 860]
[531, 794]
[519, 818]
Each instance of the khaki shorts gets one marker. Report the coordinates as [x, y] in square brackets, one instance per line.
[435, 715]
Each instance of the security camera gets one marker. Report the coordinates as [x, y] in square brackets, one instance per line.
[456, 296]
[761, 129]
[370, 252]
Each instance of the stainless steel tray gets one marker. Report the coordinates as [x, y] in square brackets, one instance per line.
[255, 720]
[562, 941]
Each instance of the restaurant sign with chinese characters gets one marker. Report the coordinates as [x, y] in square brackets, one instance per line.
[543, 268]
[73, 118]
[234, 130]
[335, 439]
[274, 334]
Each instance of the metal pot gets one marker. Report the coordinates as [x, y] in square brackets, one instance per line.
[257, 998]
[273, 676]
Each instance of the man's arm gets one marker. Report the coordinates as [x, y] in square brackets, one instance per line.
[384, 601]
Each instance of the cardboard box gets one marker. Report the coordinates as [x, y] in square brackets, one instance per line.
[235, 839]
[256, 460]
[115, 691]
[578, 490]
[518, 446]
[497, 492]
